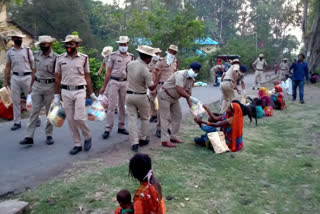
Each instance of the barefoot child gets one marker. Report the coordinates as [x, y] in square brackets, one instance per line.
[124, 200]
[148, 197]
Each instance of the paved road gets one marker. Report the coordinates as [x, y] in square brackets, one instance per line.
[25, 167]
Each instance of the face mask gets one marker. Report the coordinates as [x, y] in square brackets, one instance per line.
[123, 49]
[45, 49]
[70, 50]
[236, 67]
[192, 74]
[18, 42]
[170, 58]
[155, 58]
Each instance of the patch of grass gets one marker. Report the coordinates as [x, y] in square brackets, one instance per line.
[278, 171]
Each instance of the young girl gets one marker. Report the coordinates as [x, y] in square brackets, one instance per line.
[148, 197]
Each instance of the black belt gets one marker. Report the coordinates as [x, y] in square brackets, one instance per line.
[22, 74]
[161, 83]
[72, 88]
[132, 92]
[227, 80]
[45, 81]
[118, 79]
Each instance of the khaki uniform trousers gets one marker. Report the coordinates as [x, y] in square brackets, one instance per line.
[42, 95]
[282, 74]
[257, 78]
[117, 95]
[213, 76]
[19, 84]
[228, 95]
[138, 103]
[154, 112]
[74, 103]
[170, 115]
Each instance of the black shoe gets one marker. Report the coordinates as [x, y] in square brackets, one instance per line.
[116, 111]
[49, 140]
[75, 150]
[123, 131]
[16, 126]
[216, 85]
[87, 145]
[158, 133]
[253, 88]
[105, 135]
[135, 147]
[144, 142]
[302, 101]
[26, 141]
[153, 119]
[38, 124]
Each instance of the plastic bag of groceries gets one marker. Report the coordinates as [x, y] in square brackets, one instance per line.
[103, 100]
[96, 112]
[29, 103]
[5, 96]
[56, 115]
[197, 110]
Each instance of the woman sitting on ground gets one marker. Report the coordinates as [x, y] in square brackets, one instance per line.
[148, 197]
[230, 123]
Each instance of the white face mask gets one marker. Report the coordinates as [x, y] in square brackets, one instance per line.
[123, 49]
[155, 58]
[170, 58]
[192, 74]
[236, 67]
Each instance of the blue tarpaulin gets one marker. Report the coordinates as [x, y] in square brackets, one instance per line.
[206, 41]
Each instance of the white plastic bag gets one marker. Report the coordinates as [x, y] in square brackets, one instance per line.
[96, 112]
[289, 84]
[197, 110]
[103, 100]
[5, 96]
[56, 115]
[29, 103]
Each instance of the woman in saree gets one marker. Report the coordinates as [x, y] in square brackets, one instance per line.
[230, 123]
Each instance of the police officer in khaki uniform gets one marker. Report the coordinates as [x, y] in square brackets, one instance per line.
[106, 55]
[213, 71]
[178, 85]
[259, 66]
[20, 61]
[167, 67]
[139, 80]
[153, 94]
[284, 69]
[229, 84]
[73, 77]
[42, 87]
[117, 75]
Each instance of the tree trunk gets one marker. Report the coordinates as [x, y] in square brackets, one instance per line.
[313, 47]
[305, 19]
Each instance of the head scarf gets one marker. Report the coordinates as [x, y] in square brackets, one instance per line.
[277, 88]
[237, 126]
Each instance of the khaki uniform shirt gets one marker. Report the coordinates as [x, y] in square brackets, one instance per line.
[105, 60]
[217, 68]
[260, 64]
[179, 78]
[19, 60]
[152, 65]
[230, 73]
[45, 65]
[73, 69]
[284, 66]
[118, 63]
[166, 70]
[139, 76]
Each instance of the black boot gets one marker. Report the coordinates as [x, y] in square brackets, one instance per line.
[27, 141]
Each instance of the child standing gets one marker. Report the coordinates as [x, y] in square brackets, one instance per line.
[148, 197]
[124, 200]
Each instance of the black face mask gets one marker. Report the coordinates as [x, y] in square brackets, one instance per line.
[70, 50]
[18, 42]
[45, 49]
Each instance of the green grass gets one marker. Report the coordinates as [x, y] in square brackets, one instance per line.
[276, 172]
